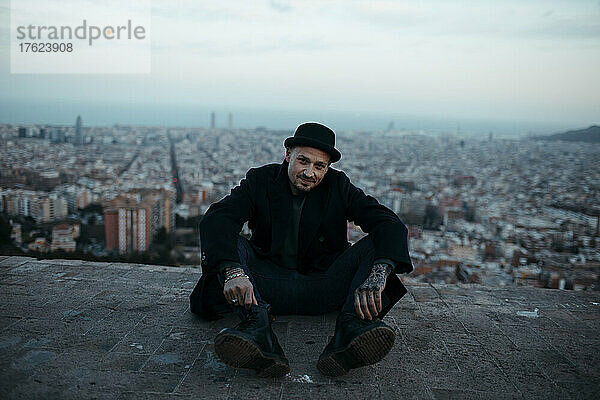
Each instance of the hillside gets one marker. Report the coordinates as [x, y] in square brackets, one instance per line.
[589, 135]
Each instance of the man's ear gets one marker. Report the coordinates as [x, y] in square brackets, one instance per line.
[288, 152]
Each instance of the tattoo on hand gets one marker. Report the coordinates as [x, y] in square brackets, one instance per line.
[376, 281]
[382, 268]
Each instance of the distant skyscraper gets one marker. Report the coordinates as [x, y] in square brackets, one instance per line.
[212, 120]
[390, 127]
[57, 135]
[230, 121]
[78, 132]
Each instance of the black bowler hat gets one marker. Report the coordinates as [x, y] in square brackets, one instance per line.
[313, 134]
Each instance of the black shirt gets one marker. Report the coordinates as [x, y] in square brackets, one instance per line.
[287, 257]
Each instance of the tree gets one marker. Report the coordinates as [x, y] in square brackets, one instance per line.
[432, 218]
[94, 208]
[4, 231]
[91, 219]
[161, 236]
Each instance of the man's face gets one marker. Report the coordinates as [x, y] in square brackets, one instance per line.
[307, 167]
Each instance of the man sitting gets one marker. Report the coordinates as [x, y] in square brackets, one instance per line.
[299, 261]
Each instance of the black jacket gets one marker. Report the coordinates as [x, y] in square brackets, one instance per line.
[264, 199]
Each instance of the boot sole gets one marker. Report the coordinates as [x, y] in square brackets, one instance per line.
[365, 349]
[238, 352]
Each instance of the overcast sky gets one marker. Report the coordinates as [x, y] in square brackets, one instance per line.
[504, 60]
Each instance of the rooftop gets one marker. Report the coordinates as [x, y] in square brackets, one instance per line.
[76, 329]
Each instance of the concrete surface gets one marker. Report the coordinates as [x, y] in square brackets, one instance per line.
[75, 329]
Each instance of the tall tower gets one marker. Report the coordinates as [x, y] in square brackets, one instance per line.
[128, 224]
[78, 133]
[230, 121]
[212, 120]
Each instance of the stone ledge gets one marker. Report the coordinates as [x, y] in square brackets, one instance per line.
[77, 329]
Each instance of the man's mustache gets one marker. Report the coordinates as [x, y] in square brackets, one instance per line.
[307, 178]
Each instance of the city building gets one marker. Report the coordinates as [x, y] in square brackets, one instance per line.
[16, 234]
[128, 224]
[63, 237]
[39, 244]
[79, 140]
[164, 215]
[41, 206]
[47, 208]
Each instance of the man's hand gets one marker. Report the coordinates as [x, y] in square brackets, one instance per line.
[367, 297]
[238, 289]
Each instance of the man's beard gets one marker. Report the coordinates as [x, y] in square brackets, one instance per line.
[299, 184]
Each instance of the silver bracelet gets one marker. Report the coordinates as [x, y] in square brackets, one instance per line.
[234, 270]
[236, 275]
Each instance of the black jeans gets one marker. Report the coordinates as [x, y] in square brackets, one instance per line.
[319, 292]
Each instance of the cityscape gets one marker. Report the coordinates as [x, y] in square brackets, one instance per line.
[480, 209]
[476, 123]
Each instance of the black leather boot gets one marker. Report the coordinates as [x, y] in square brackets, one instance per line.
[355, 343]
[253, 344]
